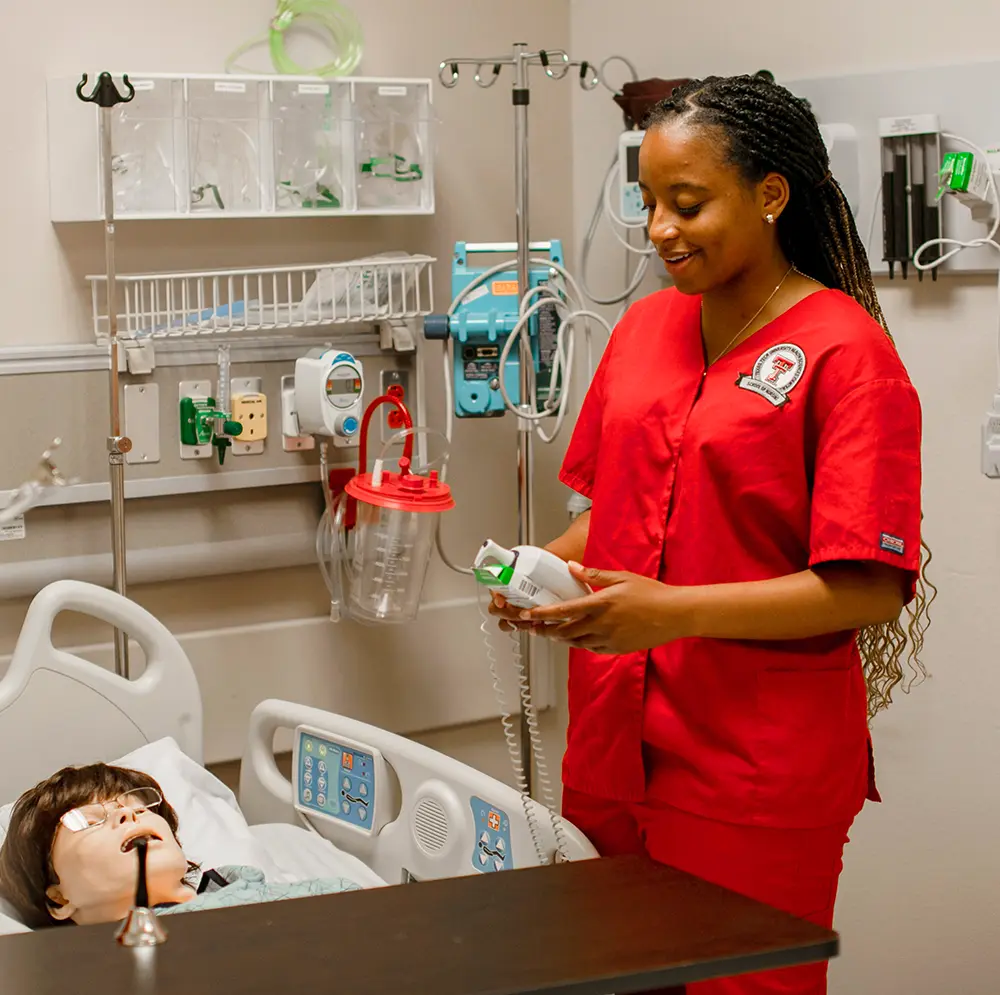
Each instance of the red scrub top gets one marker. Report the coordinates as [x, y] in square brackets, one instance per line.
[801, 446]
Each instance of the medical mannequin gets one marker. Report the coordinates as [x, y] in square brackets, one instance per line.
[751, 447]
[69, 855]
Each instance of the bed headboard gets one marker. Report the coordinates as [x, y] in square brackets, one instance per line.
[57, 709]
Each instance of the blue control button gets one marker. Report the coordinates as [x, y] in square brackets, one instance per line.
[346, 807]
[307, 778]
[350, 425]
[346, 783]
[362, 813]
[308, 763]
[322, 767]
[362, 789]
[321, 800]
[307, 795]
[322, 784]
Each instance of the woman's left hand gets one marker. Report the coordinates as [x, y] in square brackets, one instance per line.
[627, 613]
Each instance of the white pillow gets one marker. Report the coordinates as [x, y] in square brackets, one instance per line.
[211, 826]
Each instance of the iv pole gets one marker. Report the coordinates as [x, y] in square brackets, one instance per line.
[106, 96]
[556, 64]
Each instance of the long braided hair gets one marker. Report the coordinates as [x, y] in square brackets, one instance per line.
[767, 129]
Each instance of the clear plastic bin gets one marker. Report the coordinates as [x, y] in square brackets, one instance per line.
[224, 145]
[311, 125]
[393, 153]
[148, 142]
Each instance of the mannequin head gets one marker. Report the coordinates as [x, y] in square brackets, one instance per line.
[69, 855]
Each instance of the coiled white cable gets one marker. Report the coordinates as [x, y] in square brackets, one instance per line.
[513, 747]
[25, 498]
[337, 21]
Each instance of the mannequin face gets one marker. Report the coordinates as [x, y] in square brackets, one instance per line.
[97, 867]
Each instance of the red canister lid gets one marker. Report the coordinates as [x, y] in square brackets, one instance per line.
[403, 491]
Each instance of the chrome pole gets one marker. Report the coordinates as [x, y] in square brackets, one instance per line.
[521, 96]
[106, 96]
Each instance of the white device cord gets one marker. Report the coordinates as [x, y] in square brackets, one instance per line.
[562, 365]
[513, 747]
[30, 492]
[957, 245]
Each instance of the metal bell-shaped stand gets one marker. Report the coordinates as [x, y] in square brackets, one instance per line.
[141, 927]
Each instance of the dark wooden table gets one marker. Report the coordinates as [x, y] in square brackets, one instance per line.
[587, 928]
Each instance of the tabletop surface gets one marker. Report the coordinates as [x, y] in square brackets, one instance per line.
[585, 928]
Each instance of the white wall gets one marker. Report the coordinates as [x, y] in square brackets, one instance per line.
[268, 636]
[919, 900]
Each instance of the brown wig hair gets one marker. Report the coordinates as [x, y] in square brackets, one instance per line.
[766, 128]
[26, 870]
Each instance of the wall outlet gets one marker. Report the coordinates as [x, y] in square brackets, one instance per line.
[249, 405]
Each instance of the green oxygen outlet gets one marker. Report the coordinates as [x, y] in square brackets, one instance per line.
[198, 418]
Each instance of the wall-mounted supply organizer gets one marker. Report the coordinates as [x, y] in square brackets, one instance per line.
[900, 122]
[383, 288]
[199, 146]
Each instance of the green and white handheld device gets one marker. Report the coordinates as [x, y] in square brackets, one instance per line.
[526, 576]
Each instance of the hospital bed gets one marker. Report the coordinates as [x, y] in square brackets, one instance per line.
[362, 803]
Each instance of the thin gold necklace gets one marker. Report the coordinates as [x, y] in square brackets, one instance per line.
[758, 313]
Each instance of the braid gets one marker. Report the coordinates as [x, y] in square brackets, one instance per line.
[770, 130]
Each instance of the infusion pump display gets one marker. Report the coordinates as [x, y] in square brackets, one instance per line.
[630, 200]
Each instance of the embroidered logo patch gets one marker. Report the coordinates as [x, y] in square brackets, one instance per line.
[775, 373]
[892, 544]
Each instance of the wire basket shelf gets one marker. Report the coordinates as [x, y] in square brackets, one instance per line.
[220, 302]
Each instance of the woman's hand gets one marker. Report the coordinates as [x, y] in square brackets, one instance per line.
[509, 616]
[627, 614]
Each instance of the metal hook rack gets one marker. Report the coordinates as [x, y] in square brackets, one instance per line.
[557, 65]
[107, 96]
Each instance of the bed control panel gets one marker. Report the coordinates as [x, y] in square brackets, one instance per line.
[492, 849]
[337, 780]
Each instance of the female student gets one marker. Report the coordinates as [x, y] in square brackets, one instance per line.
[751, 447]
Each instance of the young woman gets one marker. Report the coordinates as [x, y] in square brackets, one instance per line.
[751, 446]
[69, 854]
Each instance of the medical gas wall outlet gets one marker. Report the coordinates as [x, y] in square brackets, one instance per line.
[526, 576]
[329, 388]
[990, 458]
[293, 440]
[249, 405]
[203, 427]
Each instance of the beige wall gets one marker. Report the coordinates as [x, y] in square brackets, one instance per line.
[264, 635]
[919, 894]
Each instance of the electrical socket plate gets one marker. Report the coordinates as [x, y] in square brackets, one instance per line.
[291, 442]
[394, 378]
[142, 422]
[198, 389]
[990, 457]
[246, 385]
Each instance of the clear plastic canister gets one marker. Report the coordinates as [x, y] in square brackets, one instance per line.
[392, 550]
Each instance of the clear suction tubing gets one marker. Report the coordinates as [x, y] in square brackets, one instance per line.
[393, 516]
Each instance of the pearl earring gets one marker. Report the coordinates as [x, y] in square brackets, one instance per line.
[769, 219]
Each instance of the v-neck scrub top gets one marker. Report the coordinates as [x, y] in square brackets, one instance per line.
[799, 447]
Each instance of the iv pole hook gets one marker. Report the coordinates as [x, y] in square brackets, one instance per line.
[105, 93]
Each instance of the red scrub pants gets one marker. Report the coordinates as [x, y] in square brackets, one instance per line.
[795, 870]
